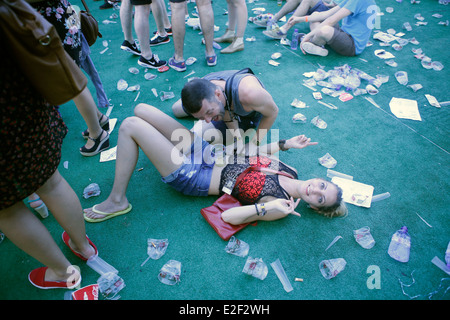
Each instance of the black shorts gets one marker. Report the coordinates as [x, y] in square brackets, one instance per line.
[177, 1]
[140, 2]
[342, 43]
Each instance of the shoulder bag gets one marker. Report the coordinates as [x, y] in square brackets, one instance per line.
[36, 47]
[89, 25]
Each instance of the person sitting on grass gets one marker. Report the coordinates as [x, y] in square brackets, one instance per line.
[188, 168]
[349, 39]
[302, 8]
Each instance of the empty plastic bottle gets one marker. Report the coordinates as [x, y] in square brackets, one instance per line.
[294, 41]
[400, 245]
[270, 24]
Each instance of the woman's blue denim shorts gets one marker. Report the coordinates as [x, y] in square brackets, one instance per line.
[194, 176]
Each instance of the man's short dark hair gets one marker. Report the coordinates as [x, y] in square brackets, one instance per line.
[194, 92]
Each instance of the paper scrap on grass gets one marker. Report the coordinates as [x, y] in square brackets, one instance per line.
[353, 192]
[108, 155]
[405, 109]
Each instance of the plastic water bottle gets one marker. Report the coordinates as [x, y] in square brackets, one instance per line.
[400, 245]
[294, 41]
[270, 24]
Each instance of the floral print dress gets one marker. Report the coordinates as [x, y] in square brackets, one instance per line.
[61, 14]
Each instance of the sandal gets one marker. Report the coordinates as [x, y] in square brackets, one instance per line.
[99, 145]
[103, 123]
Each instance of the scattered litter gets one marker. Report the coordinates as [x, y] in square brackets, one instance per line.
[317, 95]
[104, 50]
[333, 242]
[432, 101]
[424, 220]
[149, 76]
[400, 245]
[355, 193]
[383, 54]
[250, 39]
[109, 285]
[274, 63]
[237, 247]
[331, 174]
[281, 274]
[170, 272]
[100, 266]
[328, 161]
[166, 95]
[405, 109]
[108, 21]
[415, 87]
[402, 285]
[298, 104]
[319, 123]
[133, 70]
[441, 265]
[328, 105]
[155, 93]
[134, 88]
[331, 268]
[298, 118]
[364, 237]
[255, 267]
[122, 85]
[190, 61]
[66, 164]
[156, 248]
[276, 55]
[91, 190]
[189, 74]
[380, 197]
[108, 155]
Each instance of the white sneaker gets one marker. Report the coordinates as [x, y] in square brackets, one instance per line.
[311, 48]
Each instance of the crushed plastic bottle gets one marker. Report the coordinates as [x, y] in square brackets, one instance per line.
[256, 268]
[166, 95]
[331, 268]
[319, 123]
[170, 272]
[237, 247]
[294, 41]
[400, 245]
[109, 284]
[156, 248]
[407, 26]
[133, 70]
[298, 118]
[149, 76]
[91, 190]
[437, 66]
[402, 77]
[364, 237]
[122, 85]
[328, 161]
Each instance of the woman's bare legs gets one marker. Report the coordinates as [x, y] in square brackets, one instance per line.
[151, 130]
[28, 233]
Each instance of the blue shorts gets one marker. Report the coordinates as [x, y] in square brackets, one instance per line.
[194, 176]
[319, 7]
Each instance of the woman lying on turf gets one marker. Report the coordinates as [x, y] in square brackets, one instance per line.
[183, 167]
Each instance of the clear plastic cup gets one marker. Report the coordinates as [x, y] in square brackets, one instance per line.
[256, 268]
[364, 237]
[237, 247]
[170, 272]
[331, 268]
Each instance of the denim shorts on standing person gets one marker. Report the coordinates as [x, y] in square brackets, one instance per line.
[194, 176]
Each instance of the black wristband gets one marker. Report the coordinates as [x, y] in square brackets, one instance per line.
[281, 144]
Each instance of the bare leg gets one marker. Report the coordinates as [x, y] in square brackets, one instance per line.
[158, 14]
[178, 28]
[161, 151]
[301, 11]
[206, 16]
[288, 7]
[29, 234]
[142, 28]
[126, 20]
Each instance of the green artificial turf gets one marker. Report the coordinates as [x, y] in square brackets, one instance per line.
[407, 158]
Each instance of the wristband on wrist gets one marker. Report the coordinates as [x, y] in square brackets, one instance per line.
[257, 211]
[281, 144]
[306, 18]
[263, 209]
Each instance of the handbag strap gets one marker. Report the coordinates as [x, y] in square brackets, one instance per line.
[261, 169]
[85, 6]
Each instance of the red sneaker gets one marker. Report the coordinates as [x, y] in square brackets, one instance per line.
[37, 279]
[66, 238]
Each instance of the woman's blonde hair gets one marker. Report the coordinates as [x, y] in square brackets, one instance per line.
[338, 209]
